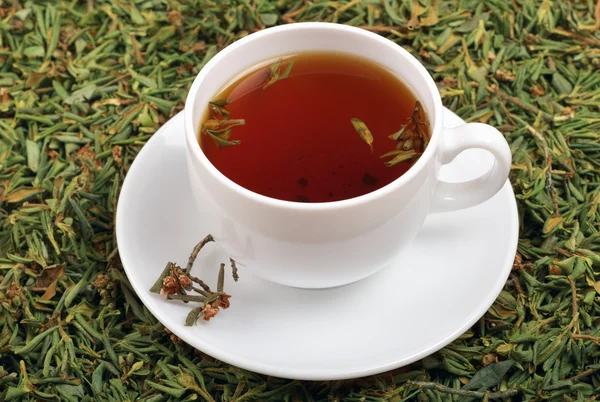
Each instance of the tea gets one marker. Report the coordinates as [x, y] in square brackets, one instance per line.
[315, 127]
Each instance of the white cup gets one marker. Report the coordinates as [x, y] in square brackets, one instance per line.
[329, 244]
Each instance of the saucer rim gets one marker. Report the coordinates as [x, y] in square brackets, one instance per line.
[314, 374]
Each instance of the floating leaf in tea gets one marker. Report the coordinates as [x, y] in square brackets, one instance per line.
[412, 138]
[275, 74]
[363, 131]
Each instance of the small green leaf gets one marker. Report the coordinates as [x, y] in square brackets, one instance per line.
[23, 14]
[222, 143]
[507, 300]
[81, 95]
[398, 133]
[193, 316]
[471, 24]
[34, 51]
[401, 156]
[363, 131]
[186, 380]
[489, 376]
[33, 155]
[268, 19]
[477, 73]
[159, 282]
[561, 84]
[146, 81]
[219, 102]
[287, 71]
[22, 194]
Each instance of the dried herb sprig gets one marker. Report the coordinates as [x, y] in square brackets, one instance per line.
[218, 108]
[275, 74]
[413, 137]
[174, 282]
[219, 127]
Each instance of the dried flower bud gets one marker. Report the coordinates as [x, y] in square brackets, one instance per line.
[170, 285]
[101, 281]
[184, 280]
[222, 301]
[209, 311]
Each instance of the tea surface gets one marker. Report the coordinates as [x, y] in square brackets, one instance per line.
[298, 142]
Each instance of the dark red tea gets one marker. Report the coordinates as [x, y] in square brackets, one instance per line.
[315, 127]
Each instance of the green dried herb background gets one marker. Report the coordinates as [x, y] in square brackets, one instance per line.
[84, 84]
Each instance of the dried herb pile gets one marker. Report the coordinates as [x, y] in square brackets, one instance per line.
[84, 84]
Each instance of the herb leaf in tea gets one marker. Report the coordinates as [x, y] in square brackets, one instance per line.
[399, 156]
[275, 73]
[413, 137]
[219, 109]
[220, 130]
[221, 138]
[363, 131]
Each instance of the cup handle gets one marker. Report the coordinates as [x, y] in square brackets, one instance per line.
[454, 196]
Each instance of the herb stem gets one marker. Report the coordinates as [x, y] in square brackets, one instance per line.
[195, 252]
[518, 102]
[573, 295]
[463, 392]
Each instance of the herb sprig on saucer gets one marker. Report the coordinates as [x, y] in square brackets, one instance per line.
[177, 283]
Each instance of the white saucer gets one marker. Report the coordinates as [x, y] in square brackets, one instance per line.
[439, 287]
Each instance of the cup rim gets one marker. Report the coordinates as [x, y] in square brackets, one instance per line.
[410, 174]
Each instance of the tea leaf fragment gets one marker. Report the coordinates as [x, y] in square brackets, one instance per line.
[490, 375]
[400, 156]
[222, 142]
[275, 73]
[363, 132]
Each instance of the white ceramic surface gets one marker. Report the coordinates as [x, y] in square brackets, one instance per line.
[318, 245]
[439, 286]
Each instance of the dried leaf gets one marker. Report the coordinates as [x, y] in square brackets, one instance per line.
[416, 10]
[22, 194]
[489, 376]
[473, 23]
[275, 73]
[50, 292]
[401, 156]
[431, 19]
[193, 316]
[561, 84]
[477, 73]
[159, 282]
[33, 155]
[221, 278]
[187, 381]
[363, 131]
[219, 102]
[287, 70]
[269, 19]
[398, 133]
[49, 276]
[81, 95]
[552, 223]
[451, 41]
[223, 143]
